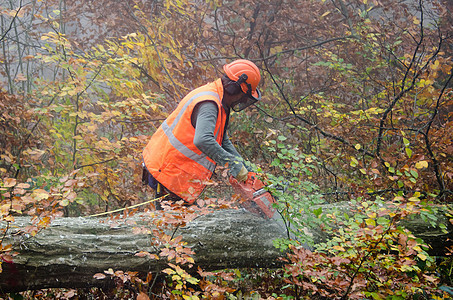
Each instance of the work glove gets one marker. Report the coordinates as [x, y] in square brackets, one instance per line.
[242, 175]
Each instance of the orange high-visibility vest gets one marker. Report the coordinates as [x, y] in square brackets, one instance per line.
[172, 158]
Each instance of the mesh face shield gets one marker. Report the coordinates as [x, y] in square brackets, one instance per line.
[247, 100]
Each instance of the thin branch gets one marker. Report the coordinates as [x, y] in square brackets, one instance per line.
[436, 164]
[344, 297]
[307, 47]
[403, 88]
[314, 126]
[159, 56]
[96, 163]
[12, 21]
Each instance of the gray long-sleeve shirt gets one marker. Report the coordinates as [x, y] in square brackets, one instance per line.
[204, 119]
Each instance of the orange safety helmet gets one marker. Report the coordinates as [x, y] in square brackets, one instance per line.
[247, 74]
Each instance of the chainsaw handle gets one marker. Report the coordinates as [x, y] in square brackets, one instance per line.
[250, 179]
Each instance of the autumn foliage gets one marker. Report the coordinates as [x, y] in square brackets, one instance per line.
[357, 106]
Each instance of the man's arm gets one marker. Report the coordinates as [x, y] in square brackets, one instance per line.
[204, 119]
[229, 147]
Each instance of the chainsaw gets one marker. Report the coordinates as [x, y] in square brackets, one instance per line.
[255, 196]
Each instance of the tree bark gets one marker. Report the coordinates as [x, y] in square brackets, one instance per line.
[71, 250]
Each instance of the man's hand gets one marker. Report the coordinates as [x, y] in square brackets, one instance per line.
[242, 175]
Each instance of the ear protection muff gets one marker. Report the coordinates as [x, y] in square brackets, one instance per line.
[234, 87]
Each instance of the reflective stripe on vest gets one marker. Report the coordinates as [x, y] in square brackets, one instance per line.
[183, 149]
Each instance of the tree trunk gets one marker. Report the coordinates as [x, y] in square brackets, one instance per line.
[71, 250]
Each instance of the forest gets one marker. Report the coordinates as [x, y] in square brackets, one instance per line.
[356, 112]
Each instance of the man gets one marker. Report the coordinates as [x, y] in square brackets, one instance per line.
[182, 154]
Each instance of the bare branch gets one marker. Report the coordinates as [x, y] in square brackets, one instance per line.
[436, 164]
[12, 21]
[314, 126]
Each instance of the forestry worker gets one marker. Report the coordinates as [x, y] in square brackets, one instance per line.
[182, 154]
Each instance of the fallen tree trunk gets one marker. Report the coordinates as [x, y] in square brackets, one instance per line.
[72, 250]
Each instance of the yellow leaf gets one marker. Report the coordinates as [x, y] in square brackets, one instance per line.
[40, 194]
[339, 248]
[169, 271]
[8, 219]
[422, 256]
[358, 146]
[325, 14]
[370, 222]
[277, 49]
[175, 277]
[421, 164]
[353, 162]
[416, 21]
[435, 65]
[4, 208]
[109, 271]
[372, 215]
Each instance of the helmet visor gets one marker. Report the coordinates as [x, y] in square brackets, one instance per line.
[247, 100]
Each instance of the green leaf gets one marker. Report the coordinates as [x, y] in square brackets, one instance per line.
[406, 142]
[409, 152]
[414, 173]
[318, 212]
[382, 221]
[192, 280]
